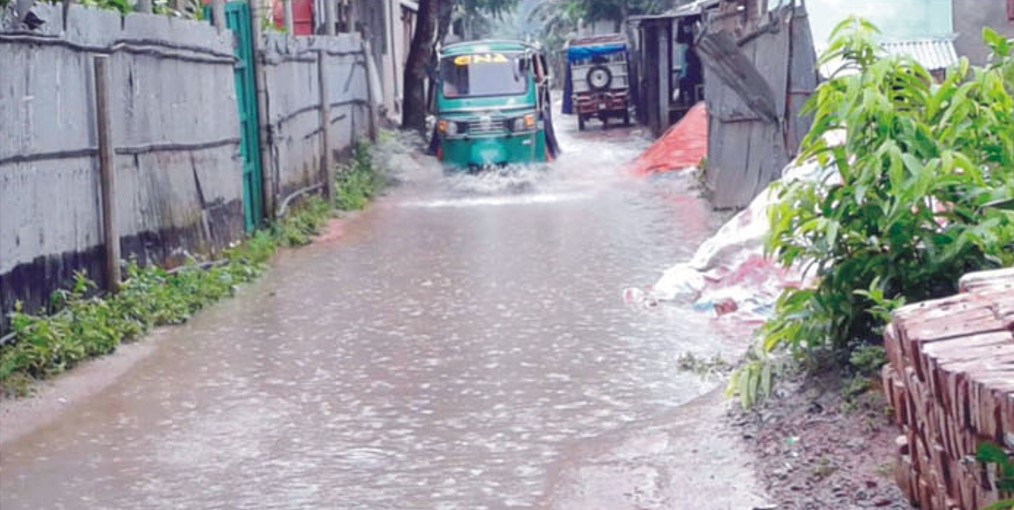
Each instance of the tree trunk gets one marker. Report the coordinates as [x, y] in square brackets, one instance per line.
[622, 26]
[445, 14]
[419, 56]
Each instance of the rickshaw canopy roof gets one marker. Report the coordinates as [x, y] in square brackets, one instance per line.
[472, 47]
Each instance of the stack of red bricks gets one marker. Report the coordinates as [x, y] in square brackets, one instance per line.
[950, 381]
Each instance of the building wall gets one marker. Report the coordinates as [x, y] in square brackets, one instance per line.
[602, 27]
[969, 18]
[896, 19]
[400, 19]
[175, 130]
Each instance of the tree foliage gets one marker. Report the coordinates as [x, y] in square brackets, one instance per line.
[618, 10]
[556, 21]
[494, 8]
[909, 203]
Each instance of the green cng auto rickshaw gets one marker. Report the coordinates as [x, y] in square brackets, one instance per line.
[492, 106]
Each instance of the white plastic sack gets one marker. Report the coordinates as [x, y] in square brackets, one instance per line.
[678, 282]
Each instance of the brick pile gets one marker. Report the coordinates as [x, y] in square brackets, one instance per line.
[950, 381]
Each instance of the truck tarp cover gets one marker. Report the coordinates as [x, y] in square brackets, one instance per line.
[683, 146]
[583, 52]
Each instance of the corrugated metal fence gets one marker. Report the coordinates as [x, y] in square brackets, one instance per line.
[758, 75]
[175, 135]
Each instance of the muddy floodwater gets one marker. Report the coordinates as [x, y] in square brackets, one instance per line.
[446, 349]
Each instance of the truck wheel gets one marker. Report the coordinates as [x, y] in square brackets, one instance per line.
[580, 122]
[599, 78]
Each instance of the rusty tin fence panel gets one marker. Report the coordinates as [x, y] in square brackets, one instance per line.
[756, 82]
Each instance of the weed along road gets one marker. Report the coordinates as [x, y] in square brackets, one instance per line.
[463, 343]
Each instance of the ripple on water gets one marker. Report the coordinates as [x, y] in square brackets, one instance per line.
[445, 354]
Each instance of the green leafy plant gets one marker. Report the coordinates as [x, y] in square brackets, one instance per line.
[300, 228]
[122, 6]
[85, 325]
[753, 379]
[867, 360]
[989, 453]
[1001, 505]
[902, 212]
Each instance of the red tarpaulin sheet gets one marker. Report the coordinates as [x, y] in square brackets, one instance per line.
[683, 146]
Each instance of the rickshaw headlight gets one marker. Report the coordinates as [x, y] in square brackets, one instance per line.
[526, 123]
[447, 127]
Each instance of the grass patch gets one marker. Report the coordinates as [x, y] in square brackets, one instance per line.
[83, 324]
[358, 181]
[688, 362]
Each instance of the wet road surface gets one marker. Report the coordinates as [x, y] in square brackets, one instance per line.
[451, 347]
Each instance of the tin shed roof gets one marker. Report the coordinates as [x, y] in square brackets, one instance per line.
[696, 7]
[932, 54]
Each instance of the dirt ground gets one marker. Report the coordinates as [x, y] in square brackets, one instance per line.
[692, 459]
[816, 450]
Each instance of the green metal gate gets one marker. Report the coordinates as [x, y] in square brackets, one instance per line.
[237, 19]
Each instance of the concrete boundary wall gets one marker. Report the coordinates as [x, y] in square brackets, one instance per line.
[293, 106]
[175, 131]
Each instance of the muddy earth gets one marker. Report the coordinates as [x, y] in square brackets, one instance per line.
[817, 446]
[461, 344]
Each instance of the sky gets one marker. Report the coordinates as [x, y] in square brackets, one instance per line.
[897, 19]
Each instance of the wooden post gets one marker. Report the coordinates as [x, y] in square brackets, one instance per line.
[350, 16]
[144, 6]
[287, 16]
[218, 14]
[107, 173]
[371, 106]
[325, 127]
[263, 125]
[664, 61]
[330, 17]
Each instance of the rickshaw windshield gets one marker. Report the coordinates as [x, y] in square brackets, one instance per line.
[483, 75]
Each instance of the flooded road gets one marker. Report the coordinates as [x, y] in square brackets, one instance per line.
[446, 349]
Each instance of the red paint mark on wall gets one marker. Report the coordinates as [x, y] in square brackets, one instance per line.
[302, 16]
